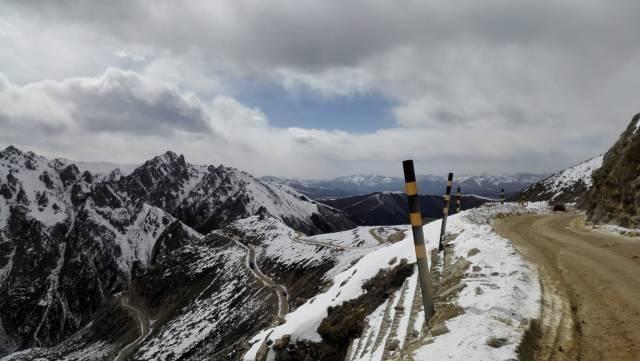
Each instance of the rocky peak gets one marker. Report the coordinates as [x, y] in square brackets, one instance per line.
[69, 174]
[18, 159]
[10, 150]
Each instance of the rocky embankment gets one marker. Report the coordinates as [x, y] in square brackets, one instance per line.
[615, 195]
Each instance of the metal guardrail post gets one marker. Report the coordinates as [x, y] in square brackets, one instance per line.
[458, 201]
[502, 196]
[415, 217]
[445, 212]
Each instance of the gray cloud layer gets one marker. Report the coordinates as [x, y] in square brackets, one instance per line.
[497, 86]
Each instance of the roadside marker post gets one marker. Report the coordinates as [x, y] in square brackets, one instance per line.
[523, 201]
[415, 218]
[445, 212]
[458, 201]
[502, 196]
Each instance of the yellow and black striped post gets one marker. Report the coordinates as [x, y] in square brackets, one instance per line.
[445, 211]
[502, 196]
[415, 217]
[458, 201]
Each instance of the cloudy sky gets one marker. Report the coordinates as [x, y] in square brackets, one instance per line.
[321, 88]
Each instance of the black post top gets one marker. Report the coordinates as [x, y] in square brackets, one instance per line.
[409, 172]
[450, 176]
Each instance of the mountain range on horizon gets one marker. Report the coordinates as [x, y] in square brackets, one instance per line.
[484, 185]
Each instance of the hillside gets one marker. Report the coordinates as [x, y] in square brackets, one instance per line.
[615, 195]
[70, 240]
[568, 185]
[347, 295]
[390, 208]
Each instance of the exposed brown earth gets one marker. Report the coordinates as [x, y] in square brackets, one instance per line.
[591, 287]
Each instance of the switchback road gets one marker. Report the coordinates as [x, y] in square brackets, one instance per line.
[252, 265]
[591, 287]
[143, 321]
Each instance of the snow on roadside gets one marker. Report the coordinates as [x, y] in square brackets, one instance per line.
[498, 301]
[615, 230]
[509, 297]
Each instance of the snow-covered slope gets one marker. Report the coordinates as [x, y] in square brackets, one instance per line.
[565, 186]
[215, 307]
[204, 302]
[501, 296]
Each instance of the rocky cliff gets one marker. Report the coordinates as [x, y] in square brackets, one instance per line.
[615, 195]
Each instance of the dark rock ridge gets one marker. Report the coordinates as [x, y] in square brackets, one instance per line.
[69, 240]
[390, 208]
[615, 195]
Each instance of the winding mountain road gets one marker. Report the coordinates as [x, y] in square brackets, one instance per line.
[299, 238]
[591, 287]
[143, 322]
[279, 289]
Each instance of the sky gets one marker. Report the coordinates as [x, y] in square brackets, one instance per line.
[318, 89]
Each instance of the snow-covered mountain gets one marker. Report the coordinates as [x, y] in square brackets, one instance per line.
[482, 185]
[565, 186]
[69, 240]
[67, 243]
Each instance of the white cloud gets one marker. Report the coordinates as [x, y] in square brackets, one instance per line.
[333, 82]
[493, 87]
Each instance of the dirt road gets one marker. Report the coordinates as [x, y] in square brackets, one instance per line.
[279, 289]
[143, 321]
[299, 237]
[591, 287]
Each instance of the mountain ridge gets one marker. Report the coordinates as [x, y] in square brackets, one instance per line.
[70, 239]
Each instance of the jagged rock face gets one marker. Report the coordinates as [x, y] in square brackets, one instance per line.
[69, 240]
[225, 194]
[162, 181]
[615, 196]
[569, 185]
[67, 244]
